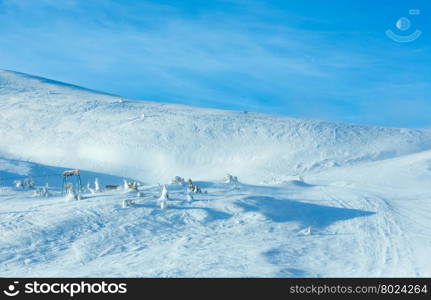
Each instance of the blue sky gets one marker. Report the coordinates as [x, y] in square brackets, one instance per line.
[328, 60]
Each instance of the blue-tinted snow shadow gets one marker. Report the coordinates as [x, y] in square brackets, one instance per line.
[212, 214]
[42, 174]
[297, 183]
[280, 258]
[307, 214]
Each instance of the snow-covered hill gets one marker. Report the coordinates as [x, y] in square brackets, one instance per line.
[361, 208]
[58, 124]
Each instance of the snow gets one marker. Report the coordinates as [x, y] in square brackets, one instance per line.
[313, 199]
[56, 124]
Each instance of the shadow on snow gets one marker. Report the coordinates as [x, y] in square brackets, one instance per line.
[318, 216]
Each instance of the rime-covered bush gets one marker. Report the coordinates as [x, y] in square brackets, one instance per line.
[231, 179]
[178, 180]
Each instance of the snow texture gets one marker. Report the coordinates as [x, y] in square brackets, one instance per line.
[313, 199]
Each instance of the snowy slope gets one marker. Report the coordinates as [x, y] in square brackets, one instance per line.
[358, 228]
[365, 197]
[397, 239]
[57, 124]
[11, 170]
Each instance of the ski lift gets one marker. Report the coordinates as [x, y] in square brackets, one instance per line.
[72, 173]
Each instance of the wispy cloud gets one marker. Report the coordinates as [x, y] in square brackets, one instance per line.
[233, 54]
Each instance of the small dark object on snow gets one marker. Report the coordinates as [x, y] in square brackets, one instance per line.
[111, 187]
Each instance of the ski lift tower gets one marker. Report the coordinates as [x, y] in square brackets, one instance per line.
[72, 173]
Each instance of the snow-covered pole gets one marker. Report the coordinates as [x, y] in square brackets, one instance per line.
[165, 194]
[97, 185]
[164, 197]
[163, 204]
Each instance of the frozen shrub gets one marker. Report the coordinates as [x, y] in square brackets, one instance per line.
[193, 188]
[70, 192]
[178, 180]
[231, 179]
[130, 186]
[43, 192]
[30, 183]
[19, 183]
